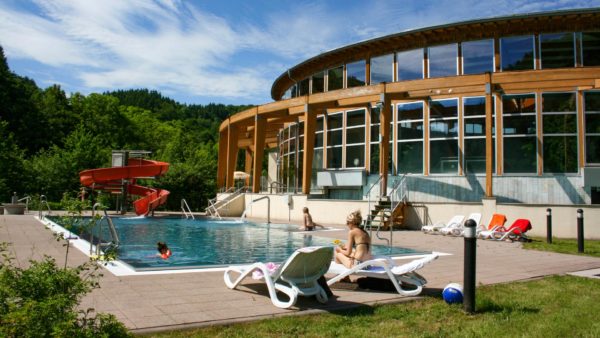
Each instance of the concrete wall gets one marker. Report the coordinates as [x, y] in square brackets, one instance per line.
[564, 222]
[323, 211]
[560, 189]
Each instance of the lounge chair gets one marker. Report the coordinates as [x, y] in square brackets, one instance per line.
[496, 221]
[296, 276]
[385, 268]
[434, 229]
[459, 229]
[514, 232]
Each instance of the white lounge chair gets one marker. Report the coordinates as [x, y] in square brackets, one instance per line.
[459, 228]
[435, 228]
[385, 268]
[296, 276]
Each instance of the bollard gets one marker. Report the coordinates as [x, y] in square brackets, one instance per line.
[469, 265]
[549, 226]
[580, 230]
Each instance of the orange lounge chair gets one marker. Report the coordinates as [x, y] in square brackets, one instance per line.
[496, 221]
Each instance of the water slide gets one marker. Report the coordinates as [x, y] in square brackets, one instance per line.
[112, 179]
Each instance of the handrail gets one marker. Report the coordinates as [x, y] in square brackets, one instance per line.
[185, 205]
[43, 201]
[268, 207]
[281, 185]
[26, 199]
[213, 204]
[111, 228]
[369, 216]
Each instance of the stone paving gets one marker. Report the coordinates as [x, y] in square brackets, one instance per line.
[172, 301]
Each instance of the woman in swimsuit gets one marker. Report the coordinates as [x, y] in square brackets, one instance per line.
[358, 247]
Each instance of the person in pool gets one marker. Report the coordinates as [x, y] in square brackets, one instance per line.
[163, 250]
[358, 247]
[309, 225]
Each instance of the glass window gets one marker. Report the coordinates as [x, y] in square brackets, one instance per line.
[374, 144]
[519, 139]
[335, 78]
[557, 50]
[382, 69]
[303, 87]
[409, 155]
[294, 90]
[334, 140]
[443, 135]
[356, 73]
[443, 60]
[318, 83]
[478, 56]
[590, 46]
[517, 52]
[592, 127]
[355, 138]
[474, 135]
[410, 65]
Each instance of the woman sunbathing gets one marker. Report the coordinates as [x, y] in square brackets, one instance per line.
[358, 247]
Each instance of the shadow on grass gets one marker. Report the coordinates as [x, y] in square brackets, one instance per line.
[492, 307]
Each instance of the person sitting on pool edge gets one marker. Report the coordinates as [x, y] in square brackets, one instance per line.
[163, 250]
[358, 247]
[309, 225]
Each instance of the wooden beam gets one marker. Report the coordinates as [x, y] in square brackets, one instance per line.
[488, 136]
[259, 150]
[385, 116]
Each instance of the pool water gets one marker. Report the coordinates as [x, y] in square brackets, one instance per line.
[208, 242]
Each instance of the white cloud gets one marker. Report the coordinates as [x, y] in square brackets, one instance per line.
[173, 46]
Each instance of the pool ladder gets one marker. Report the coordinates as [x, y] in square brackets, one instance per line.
[44, 201]
[185, 208]
[111, 228]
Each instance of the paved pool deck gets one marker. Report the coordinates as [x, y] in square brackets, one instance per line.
[174, 301]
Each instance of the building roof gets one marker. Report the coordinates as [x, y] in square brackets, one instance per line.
[544, 22]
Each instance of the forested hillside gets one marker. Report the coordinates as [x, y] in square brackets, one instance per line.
[47, 137]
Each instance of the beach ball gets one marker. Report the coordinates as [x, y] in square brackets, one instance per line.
[453, 293]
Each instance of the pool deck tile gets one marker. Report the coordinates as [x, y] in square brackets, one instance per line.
[171, 301]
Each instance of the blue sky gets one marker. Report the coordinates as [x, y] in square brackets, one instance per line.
[209, 51]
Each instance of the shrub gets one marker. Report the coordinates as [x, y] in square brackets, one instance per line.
[42, 300]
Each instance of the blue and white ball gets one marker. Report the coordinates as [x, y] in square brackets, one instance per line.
[453, 293]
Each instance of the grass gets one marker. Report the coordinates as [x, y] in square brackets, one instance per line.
[556, 306]
[567, 246]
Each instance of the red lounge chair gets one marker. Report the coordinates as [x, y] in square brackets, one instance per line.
[516, 231]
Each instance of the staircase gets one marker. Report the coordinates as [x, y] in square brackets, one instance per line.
[389, 211]
[383, 218]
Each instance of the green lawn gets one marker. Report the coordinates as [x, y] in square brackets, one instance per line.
[557, 306]
[568, 246]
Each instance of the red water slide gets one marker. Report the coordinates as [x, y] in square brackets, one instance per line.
[112, 179]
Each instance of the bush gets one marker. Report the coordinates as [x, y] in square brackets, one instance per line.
[41, 301]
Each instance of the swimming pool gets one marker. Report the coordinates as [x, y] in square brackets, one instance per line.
[209, 243]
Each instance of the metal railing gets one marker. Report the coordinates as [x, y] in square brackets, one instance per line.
[279, 187]
[43, 201]
[368, 194]
[27, 199]
[268, 206]
[214, 205]
[111, 228]
[185, 208]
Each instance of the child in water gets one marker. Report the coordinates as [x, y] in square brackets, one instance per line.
[163, 250]
[309, 225]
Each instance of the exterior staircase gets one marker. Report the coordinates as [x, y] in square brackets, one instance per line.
[382, 216]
